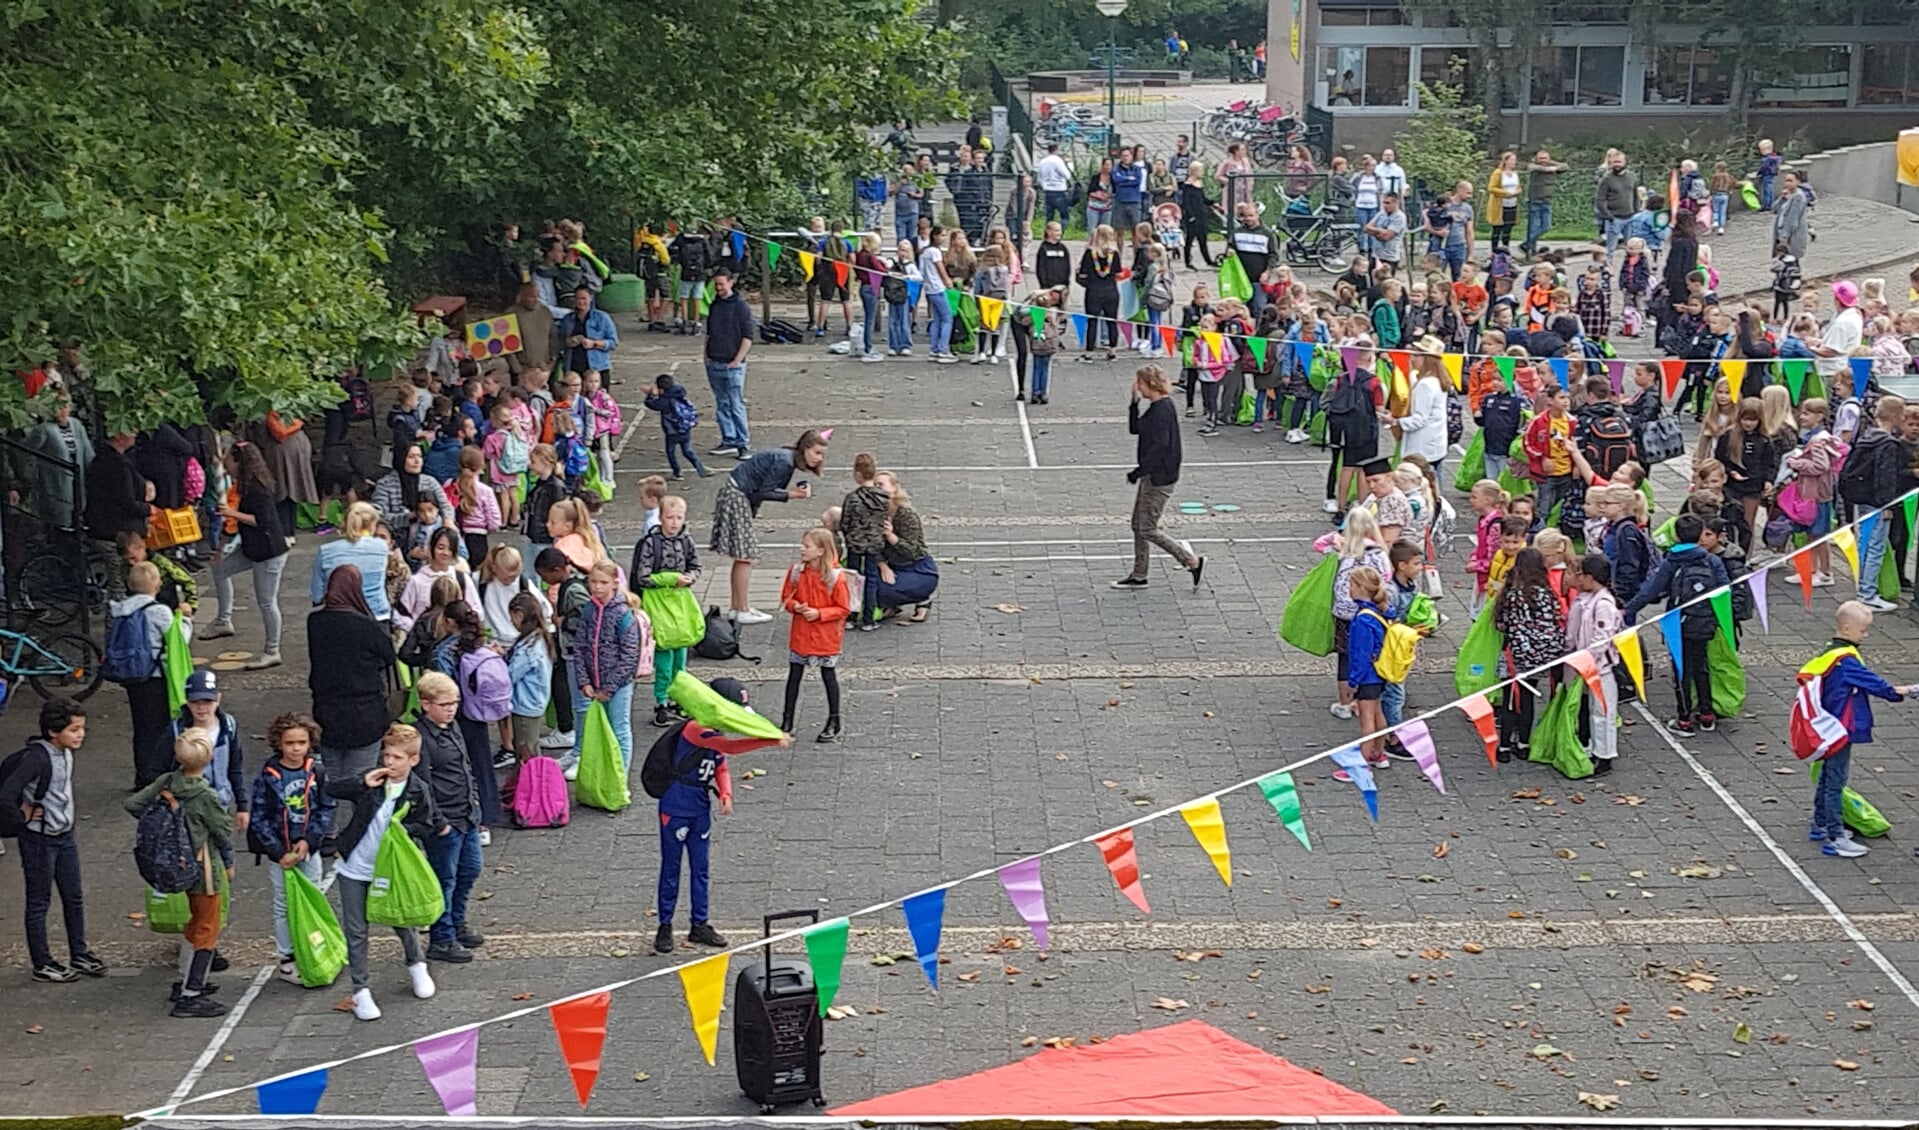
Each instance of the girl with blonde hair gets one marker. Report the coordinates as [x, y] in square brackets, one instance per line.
[1358, 546]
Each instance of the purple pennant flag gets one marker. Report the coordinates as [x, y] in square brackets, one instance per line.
[1418, 741]
[1616, 372]
[1354, 763]
[1757, 582]
[912, 293]
[1561, 369]
[297, 1094]
[1022, 884]
[1349, 357]
[452, 1064]
[1126, 333]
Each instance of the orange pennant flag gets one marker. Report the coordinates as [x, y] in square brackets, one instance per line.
[1170, 336]
[1582, 662]
[839, 273]
[1672, 369]
[1802, 565]
[1121, 859]
[1401, 359]
[1481, 712]
[581, 1026]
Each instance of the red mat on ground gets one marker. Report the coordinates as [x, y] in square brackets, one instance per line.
[1190, 1068]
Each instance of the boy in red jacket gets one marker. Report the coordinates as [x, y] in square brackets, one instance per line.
[1548, 445]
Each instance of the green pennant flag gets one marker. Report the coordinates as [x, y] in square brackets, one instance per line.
[1721, 602]
[1795, 374]
[1284, 798]
[953, 296]
[773, 255]
[1911, 507]
[1505, 365]
[826, 953]
[1258, 346]
[1037, 315]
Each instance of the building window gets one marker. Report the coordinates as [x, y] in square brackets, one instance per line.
[1361, 17]
[1459, 67]
[1366, 76]
[1688, 76]
[1810, 76]
[1887, 76]
[1578, 76]
[1591, 13]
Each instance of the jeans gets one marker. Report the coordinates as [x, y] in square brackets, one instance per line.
[939, 322]
[47, 861]
[1261, 398]
[1828, 794]
[1765, 193]
[690, 836]
[728, 383]
[1452, 254]
[1496, 465]
[870, 212]
[899, 326]
[1539, 221]
[1615, 235]
[1874, 556]
[906, 224]
[1042, 373]
[1303, 409]
[1148, 504]
[667, 662]
[867, 567]
[266, 591]
[870, 319]
[1097, 216]
[456, 860]
[1556, 489]
[678, 445]
[1392, 702]
[354, 925]
[619, 711]
[312, 868]
[1364, 216]
[1056, 206]
[1719, 200]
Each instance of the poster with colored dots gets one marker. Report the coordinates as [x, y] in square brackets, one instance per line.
[493, 337]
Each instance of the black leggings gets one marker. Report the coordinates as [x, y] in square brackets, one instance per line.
[1022, 342]
[1515, 717]
[829, 678]
[1196, 237]
[1695, 685]
[562, 699]
[1102, 312]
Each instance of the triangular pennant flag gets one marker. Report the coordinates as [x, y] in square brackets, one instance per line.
[1354, 763]
[1037, 315]
[1456, 369]
[1627, 643]
[773, 255]
[1258, 347]
[826, 954]
[739, 246]
[1506, 366]
[451, 1061]
[1126, 332]
[1721, 602]
[924, 915]
[1123, 862]
[839, 274]
[1756, 581]
[1795, 374]
[1402, 360]
[1562, 370]
[989, 311]
[1418, 741]
[1079, 327]
[1349, 357]
[580, 1025]
[913, 288]
[1669, 628]
[704, 983]
[954, 296]
[1802, 565]
[1616, 373]
[1481, 712]
[826, 433]
[1021, 881]
[1169, 337]
[1861, 372]
[1209, 828]
[1283, 795]
[1671, 369]
[1848, 543]
[1734, 370]
[1910, 505]
[1214, 341]
[1588, 668]
[806, 263]
[1303, 355]
[297, 1094]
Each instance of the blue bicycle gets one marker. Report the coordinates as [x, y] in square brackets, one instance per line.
[66, 664]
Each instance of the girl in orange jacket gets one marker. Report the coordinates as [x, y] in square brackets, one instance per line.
[819, 595]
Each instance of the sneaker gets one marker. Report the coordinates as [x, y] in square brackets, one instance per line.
[1816, 835]
[1378, 763]
[1199, 570]
[1297, 435]
[978, 358]
[470, 938]
[453, 953]
[1329, 506]
[54, 973]
[1130, 583]
[1879, 603]
[422, 980]
[289, 972]
[504, 758]
[1342, 776]
[703, 934]
[218, 630]
[751, 616]
[661, 717]
[571, 772]
[562, 740]
[1708, 723]
[946, 359]
[663, 938]
[871, 358]
[201, 1007]
[723, 449]
[1680, 728]
[363, 1006]
[1258, 427]
[1398, 752]
[1209, 430]
[486, 837]
[1340, 710]
[88, 964]
[1845, 847]
[907, 352]
[1601, 766]
[1822, 580]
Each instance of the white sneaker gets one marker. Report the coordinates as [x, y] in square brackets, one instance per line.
[1188, 547]
[290, 973]
[978, 358]
[571, 772]
[422, 981]
[262, 662]
[1329, 506]
[1341, 710]
[1845, 847]
[1879, 603]
[486, 837]
[751, 616]
[1297, 435]
[363, 1006]
[558, 741]
[907, 352]
[871, 358]
[1822, 580]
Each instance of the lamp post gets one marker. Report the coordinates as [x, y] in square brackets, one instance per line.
[1111, 9]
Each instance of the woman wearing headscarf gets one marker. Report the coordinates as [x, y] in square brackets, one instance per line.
[350, 664]
[907, 574]
[397, 493]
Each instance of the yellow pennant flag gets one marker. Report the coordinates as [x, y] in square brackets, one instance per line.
[1848, 543]
[1734, 370]
[1635, 660]
[989, 311]
[1214, 341]
[1209, 828]
[806, 263]
[1456, 369]
[705, 985]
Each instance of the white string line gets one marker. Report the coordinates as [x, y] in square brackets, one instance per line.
[1056, 849]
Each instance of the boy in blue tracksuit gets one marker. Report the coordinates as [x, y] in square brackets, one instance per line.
[686, 814]
[1687, 572]
[1847, 688]
[292, 815]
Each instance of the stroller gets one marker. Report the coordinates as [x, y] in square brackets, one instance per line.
[1166, 228]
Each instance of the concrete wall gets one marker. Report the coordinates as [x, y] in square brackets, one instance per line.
[1287, 80]
[1866, 171]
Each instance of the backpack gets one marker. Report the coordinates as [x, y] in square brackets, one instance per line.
[1855, 477]
[130, 657]
[662, 768]
[1631, 322]
[359, 397]
[1348, 401]
[513, 453]
[12, 820]
[194, 483]
[779, 331]
[1608, 443]
[1813, 730]
[486, 690]
[721, 640]
[1693, 578]
[855, 586]
[1396, 650]
[893, 290]
[1159, 296]
[685, 418]
[163, 848]
[539, 795]
[573, 456]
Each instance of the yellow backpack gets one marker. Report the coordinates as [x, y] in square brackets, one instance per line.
[1396, 651]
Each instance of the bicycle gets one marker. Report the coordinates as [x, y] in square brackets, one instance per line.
[49, 591]
[1314, 236]
[67, 664]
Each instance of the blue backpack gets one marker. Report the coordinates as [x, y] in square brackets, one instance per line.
[684, 417]
[130, 657]
[573, 456]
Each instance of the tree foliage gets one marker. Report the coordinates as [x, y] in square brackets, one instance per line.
[1444, 141]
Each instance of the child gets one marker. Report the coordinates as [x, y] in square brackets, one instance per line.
[1591, 623]
[686, 815]
[1365, 638]
[1594, 305]
[1046, 344]
[1501, 414]
[1489, 504]
[291, 816]
[1548, 447]
[177, 589]
[1359, 546]
[1814, 465]
[1621, 536]
[1635, 274]
[1533, 623]
[652, 493]
[146, 695]
[1540, 282]
[1846, 690]
[1397, 594]
[569, 596]
[478, 510]
[210, 831]
[1515, 531]
[1688, 571]
[992, 280]
[1557, 550]
[451, 750]
[40, 786]
[426, 522]
[666, 548]
[677, 420]
[817, 593]
[529, 664]
[501, 578]
[505, 452]
[601, 415]
[376, 797]
[1212, 355]
[612, 646]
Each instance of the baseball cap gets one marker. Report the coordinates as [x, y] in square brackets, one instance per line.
[730, 689]
[202, 686]
[1845, 292]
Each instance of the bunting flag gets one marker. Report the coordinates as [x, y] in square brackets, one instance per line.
[826, 953]
[1861, 371]
[924, 913]
[1848, 543]
[580, 1025]
[1037, 315]
[1562, 370]
[913, 288]
[1126, 332]
[1021, 881]
[1506, 366]
[1349, 358]
[1588, 668]
[1122, 861]
[739, 247]
[1303, 355]
[451, 1061]
[1418, 741]
[1258, 347]
[773, 254]
[1616, 374]
[1721, 602]
[1627, 643]
[1401, 359]
[806, 264]
[1214, 341]
[704, 983]
[1802, 565]
[954, 296]
[297, 1094]
[1079, 328]
[1757, 583]
[1481, 713]
[1456, 369]
[1169, 337]
[1669, 628]
[1795, 374]
[1672, 369]
[1209, 828]
[1283, 795]
[839, 274]
[1734, 370]
[989, 311]
[1354, 763]
[1911, 508]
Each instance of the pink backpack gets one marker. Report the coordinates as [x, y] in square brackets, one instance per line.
[539, 795]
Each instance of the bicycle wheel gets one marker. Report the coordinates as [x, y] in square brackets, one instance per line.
[80, 658]
[48, 591]
[1331, 252]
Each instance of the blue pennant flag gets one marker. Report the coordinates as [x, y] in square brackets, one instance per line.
[296, 1094]
[1561, 369]
[1354, 763]
[1303, 355]
[924, 914]
[1669, 628]
[1861, 375]
[739, 247]
[1079, 327]
[1866, 526]
[912, 293]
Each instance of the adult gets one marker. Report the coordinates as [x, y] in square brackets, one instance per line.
[1099, 196]
[1055, 181]
[1021, 203]
[162, 456]
[729, 337]
[262, 552]
[1392, 178]
[288, 455]
[762, 478]
[1254, 245]
[972, 188]
[1615, 199]
[397, 494]
[1161, 184]
[1182, 157]
[1423, 426]
[1235, 177]
[1682, 255]
[1195, 213]
[1367, 191]
[1300, 171]
[1792, 217]
[1053, 261]
[1155, 473]
[1456, 246]
[350, 672]
[1341, 192]
[1129, 190]
[1542, 178]
[908, 194]
[442, 560]
[1098, 277]
[587, 336]
[64, 453]
[908, 574]
[1833, 353]
[362, 548]
[1502, 200]
[1385, 233]
[118, 501]
[536, 331]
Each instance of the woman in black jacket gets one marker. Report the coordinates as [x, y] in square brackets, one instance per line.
[350, 668]
[1195, 213]
[262, 552]
[1099, 267]
[1682, 255]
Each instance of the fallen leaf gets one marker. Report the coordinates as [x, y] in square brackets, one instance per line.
[1012, 971]
[1545, 1051]
[1649, 1075]
[841, 1012]
[482, 896]
[1699, 871]
[1029, 1042]
[137, 916]
[618, 953]
[523, 996]
[1195, 955]
[1779, 1038]
[1009, 609]
[1436, 1106]
[1526, 794]
[882, 959]
[1110, 784]
[1845, 1065]
[1060, 1041]
[1441, 850]
[1634, 801]
[1862, 1025]
[1862, 1005]
[35, 1029]
[1515, 914]
[1473, 947]
[1168, 1004]
[344, 1004]
[1434, 954]
[641, 1077]
[969, 978]
[1598, 1102]
[1566, 853]
[1742, 1034]
[1409, 1060]
[1676, 1013]
[1316, 990]
[1335, 904]
[1254, 975]
[1699, 982]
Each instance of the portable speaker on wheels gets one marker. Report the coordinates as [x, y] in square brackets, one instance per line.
[777, 1029]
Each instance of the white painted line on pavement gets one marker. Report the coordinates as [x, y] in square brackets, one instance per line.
[1025, 429]
[1872, 952]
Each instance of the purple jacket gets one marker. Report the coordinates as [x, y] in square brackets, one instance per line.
[611, 642]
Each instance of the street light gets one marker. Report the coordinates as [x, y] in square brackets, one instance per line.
[1111, 9]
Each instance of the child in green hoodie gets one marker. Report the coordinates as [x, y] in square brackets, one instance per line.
[210, 826]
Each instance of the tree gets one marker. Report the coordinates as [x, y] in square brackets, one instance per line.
[1444, 141]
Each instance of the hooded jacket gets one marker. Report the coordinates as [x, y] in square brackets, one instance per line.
[863, 519]
[1847, 690]
[611, 643]
[290, 806]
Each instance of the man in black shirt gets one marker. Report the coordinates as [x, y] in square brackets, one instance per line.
[729, 335]
[1157, 426]
[1254, 244]
[118, 498]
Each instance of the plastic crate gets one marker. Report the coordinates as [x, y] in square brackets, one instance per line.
[168, 528]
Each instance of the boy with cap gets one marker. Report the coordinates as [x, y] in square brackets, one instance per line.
[227, 772]
[686, 813]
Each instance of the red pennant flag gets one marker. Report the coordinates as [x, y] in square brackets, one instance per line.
[1170, 336]
[1673, 369]
[1402, 360]
[1582, 662]
[839, 274]
[1117, 849]
[581, 1026]
[1481, 712]
[1802, 565]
